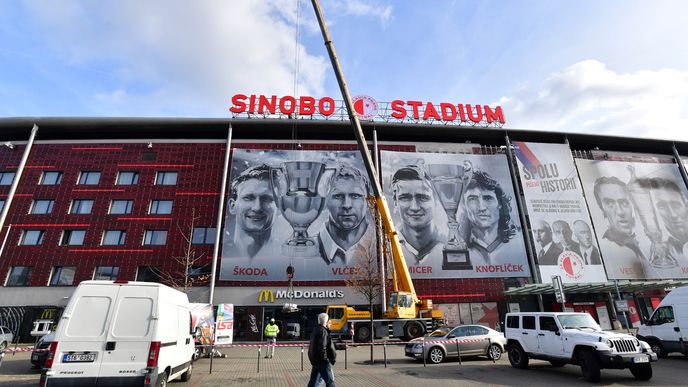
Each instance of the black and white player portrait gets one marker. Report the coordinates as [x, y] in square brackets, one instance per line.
[548, 252]
[348, 215]
[641, 214]
[305, 209]
[489, 223]
[414, 200]
[454, 214]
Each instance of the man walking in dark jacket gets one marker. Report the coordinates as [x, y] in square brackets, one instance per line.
[321, 353]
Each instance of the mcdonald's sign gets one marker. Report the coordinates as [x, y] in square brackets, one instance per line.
[266, 294]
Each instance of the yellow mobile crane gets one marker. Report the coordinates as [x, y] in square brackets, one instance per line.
[407, 316]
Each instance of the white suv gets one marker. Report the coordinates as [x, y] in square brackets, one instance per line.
[574, 338]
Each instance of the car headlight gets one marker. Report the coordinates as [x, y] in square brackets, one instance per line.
[417, 346]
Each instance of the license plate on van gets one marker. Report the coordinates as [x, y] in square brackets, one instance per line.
[78, 358]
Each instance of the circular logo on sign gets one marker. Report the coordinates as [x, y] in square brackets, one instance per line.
[365, 106]
[571, 264]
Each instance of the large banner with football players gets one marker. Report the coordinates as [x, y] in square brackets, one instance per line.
[639, 212]
[303, 209]
[565, 244]
[455, 214]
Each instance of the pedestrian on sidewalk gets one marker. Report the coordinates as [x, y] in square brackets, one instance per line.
[322, 354]
[271, 331]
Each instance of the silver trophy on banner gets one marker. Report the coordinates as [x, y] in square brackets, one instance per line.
[639, 191]
[295, 186]
[449, 182]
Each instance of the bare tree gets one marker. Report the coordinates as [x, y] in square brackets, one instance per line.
[365, 279]
[180, 275]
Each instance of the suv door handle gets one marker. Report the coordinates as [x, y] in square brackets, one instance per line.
[541, 334]
[110, 346]
[525, 333]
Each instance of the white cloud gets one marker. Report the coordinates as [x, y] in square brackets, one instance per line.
[588, 97]
[167, 57]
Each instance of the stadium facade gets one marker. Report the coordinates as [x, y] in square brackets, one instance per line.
[487, 215]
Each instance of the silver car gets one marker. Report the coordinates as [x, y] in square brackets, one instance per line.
[474, 340]
[6, 337]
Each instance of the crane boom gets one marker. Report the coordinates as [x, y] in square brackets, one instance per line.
[403, 276]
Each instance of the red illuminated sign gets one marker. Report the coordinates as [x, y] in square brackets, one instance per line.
[368, 109]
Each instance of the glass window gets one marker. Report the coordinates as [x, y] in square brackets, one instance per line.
[2, 204]
[663, 315]
[512, 322]
[127, 178]
[81, 206]
[89, 178]
[51, 178]
[114, 237]
[528, 322]
[161, 207]
[42, 206]
[548, 324]
[203, 235]
[155, 237]
[6, 178]
[197, 271]
[63, 276]
[166, 178]
[460, 331]
[32, 237]
[148, 274]
[121, 206]
[19, 276]
[73, 237]
[477, 331]
[107, 273]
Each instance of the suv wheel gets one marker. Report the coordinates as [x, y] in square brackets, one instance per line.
[517, 356]
[494, 352]
[435, 355]
[590, 366]
[657, 348]
[642, 371]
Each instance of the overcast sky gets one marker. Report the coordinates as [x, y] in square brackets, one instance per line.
[600, 66]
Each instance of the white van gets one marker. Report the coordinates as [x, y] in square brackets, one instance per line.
[121, 333]
[667, 329]
[293, 330]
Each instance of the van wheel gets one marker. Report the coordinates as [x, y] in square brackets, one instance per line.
[590, 366]
[657, 348]
[162, 380]
[642, 371]
[518, 357]
[186, 376]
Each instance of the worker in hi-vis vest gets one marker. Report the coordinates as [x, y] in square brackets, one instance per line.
[270, 332]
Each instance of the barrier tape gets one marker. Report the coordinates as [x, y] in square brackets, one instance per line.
[348, 344]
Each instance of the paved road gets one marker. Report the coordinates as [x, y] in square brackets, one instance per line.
[239, 368]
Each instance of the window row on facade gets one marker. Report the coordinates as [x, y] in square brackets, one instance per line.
[65, 275]
[93, 178]
[85, 206]
[76, 237]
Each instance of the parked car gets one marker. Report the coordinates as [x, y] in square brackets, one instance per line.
[667, 329]
[40, 350]
[441, 343]
[575, 338]
[6, 337]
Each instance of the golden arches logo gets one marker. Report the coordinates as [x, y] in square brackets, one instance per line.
[266, 295]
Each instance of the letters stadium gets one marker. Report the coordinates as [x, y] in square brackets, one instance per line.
[271, 206]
